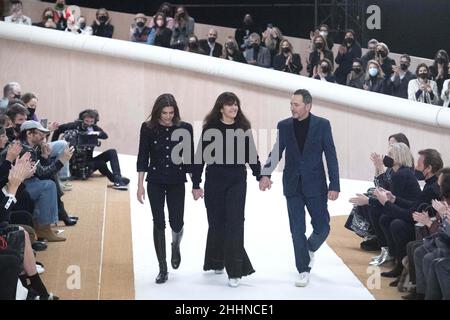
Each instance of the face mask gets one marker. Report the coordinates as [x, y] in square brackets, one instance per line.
[382, 54]
[325, 69]
[49, 16]
[83, 25]
[211, 40]
[193, 45]
[423, 75]
[388, 162]
[31, 112]
[103, 19]
[18, 127]
[140, 24]
[357, 70]
[319, 45]
[181, 14]
[323, 34]
[373, 72]
[404, 66]
[349, 41]
[255, 45]
[59, 6]
[285, 50]
[440, 60]
[17, 96]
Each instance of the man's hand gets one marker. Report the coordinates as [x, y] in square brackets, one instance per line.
[265, 183]
[46, 149]
[333, 195]
[359, 200]
[52, 126]
[67, 155]
[141, 194]
[14, 149]
[197, 193]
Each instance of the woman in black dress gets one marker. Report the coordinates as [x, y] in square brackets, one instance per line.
[166, 175]
[227, 131]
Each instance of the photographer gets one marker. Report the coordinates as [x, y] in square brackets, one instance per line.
[87, 123]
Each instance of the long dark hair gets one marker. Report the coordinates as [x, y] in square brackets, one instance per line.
[400, 137]
[164, 100]
[226, 99]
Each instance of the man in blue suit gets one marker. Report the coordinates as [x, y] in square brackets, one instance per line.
[305, 138]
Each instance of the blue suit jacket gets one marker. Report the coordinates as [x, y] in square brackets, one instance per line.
[308, 167]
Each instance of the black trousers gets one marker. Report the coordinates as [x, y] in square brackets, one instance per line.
[441, 268]
[99, 163]
[397, 233]
[225, 193]
[9, 274]
[174, 193]
[410, 248]
[375, 213]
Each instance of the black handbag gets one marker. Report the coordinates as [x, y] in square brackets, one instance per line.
[358, 224]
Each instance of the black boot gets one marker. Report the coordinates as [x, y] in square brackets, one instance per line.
[176, 255]
[159, 239]
[396, 272]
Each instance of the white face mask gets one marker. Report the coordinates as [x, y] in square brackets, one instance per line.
[323, 34]
[373, 72]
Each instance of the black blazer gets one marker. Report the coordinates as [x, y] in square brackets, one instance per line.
[279, 63]
[217, 52]
[163, 38]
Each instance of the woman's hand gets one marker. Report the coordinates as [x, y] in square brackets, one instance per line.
[197, 193]
[141, 194]
[359, 200]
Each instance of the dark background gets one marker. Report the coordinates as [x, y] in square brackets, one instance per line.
[416, 27]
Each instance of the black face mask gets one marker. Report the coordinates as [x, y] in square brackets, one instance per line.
[325, 69]
[349, 41]
[319, 46]
[440, 60]
[404, 66]
[357, 70]
[286, 50]
[103, 19]
[83, 25]
[17, 96]
[211, 40]
[382, 54]
[255, 45]
[31, 112]
[388, 162]
[140, 24]
[423, 75]
[18, 127]
[193, 45]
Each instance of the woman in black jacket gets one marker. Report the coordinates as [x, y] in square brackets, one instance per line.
[319, 52]
[166, 175]
[226, 186]
[231, 51]
[160, 35]
[348, 51]
[375, 79]
[286, 60]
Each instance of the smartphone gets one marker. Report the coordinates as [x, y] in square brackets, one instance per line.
[44, 123]
[37, 162]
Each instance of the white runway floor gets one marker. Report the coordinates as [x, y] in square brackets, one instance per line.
[267, 241]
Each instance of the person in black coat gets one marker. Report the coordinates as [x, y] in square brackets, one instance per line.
[166, 176]
[286, 60]
[231, 51]
[210, 46]
[102, 26]
[319, 52]
[399, 81]
[387, 65]
[439, 70]
[160, 35]
[348, 51]
[325, 72]
[375, 79]
[226, 186]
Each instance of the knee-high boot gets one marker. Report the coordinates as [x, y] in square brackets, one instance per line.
[159, 239]
[176, 255]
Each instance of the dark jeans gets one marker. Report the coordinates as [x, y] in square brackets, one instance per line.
[174, 193]
[99, 163]
[442, 270]
[410, 248]
[397, 233]
[423, 260]
[320, 220]
[225, 193]
[9, 274]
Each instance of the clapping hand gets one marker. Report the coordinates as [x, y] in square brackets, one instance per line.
[14, 149]
[359, 200]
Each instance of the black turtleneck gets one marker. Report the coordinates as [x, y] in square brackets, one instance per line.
[301, 129]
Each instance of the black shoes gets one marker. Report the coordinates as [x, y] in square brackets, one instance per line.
[121, 183]
[159, 239]
[370, 245]
[396, 272]
[39, 246]
[176, 255]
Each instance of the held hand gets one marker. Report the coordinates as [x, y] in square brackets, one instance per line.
[265, 183]
[197, 193]
[333, 195]
[359, 200]
[141, 194]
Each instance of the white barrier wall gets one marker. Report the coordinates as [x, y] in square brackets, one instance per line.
[122, 79]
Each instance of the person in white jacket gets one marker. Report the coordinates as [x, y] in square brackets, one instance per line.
[445, 95]
[422, 89]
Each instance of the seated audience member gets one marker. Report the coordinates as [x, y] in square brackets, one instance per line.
[102, 26]
[210, 45]
[18, 115]
[166, 9]
[422, 89]
[11, 90]
[318, 53]
[383, 59]
[398, 223]
[30, 100]
[183, 27]
[325, 32]
[271, 39]
[139, 31]
[72, 25]
[357, 76]
[401, 77]
[286, 60]
[439, 70]
[242, 34]
[60, 16]
[12, 178]
[87, 123]
[48, 19]
[370, 54]
[83, 28]
[325, 73]
[231, 51]
[445, 95]
[375, 79]
[17, 15]
[193, 45]
[348, 51]
[160, 35]
[257, 55]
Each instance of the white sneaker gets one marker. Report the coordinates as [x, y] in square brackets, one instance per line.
[218, 271]
[40, 269]
[233, 282]
[311, 259]
[303, 280]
